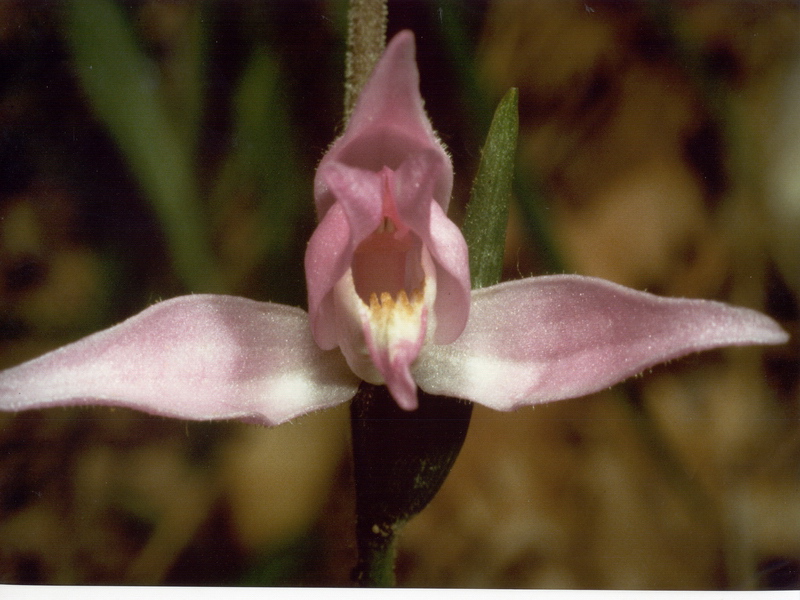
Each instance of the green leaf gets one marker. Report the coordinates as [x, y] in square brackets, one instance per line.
[487, 211]
[123, 87]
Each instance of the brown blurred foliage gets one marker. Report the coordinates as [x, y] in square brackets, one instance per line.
[646, 125]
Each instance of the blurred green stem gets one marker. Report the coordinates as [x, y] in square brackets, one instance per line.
[375, 566]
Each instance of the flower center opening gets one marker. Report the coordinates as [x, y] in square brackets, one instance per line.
[386, 266]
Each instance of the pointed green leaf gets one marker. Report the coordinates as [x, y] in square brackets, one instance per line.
[487, 211]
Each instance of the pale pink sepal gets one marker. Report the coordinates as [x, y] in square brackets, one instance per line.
[194, 357]
[551, 338]
[388, 124]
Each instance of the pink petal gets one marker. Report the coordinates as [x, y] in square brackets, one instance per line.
[414, 182]
[449, 251]
[387, 126]
[550, 338]
[359, 193]
[328, 257]
[193, 357]
[358, 212]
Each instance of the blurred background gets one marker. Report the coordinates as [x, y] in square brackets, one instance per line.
[150, 149]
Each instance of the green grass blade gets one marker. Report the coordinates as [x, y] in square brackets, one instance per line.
[487, 212]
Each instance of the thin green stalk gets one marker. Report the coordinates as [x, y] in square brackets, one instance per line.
[376, 557]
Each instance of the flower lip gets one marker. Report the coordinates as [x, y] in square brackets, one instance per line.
[394, 334]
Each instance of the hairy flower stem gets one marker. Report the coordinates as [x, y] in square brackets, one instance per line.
[366, 39]
[400, 460]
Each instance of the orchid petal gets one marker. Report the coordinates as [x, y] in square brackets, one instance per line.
[414, 185]
[328, 257]
[359, 194]
[444, 241]
[387, 126]
[194, 357]
[550, 338]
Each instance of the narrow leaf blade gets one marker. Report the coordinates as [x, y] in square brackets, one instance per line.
[487, 211]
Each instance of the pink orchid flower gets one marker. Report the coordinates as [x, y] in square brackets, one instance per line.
[389, 302]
